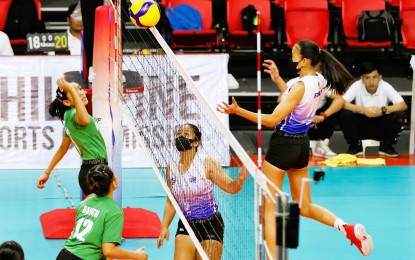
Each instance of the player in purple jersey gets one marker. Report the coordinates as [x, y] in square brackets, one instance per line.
[191, 182]
[288, 150]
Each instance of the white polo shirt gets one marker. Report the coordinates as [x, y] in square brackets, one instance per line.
[5, 47]
[74, 44]
[383, 96]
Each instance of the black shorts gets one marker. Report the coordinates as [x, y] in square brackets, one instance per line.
[286, 152]
[85, 167]
[66, 255]
[211, 228]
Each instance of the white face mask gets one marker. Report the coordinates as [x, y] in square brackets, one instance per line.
[76, 14]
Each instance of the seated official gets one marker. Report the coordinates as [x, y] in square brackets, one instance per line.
[378, 112]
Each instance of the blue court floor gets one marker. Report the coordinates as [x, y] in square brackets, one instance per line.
[381, 198]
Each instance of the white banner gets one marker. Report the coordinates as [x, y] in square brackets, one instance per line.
[29, 137]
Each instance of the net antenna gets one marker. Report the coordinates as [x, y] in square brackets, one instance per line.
[259, 218]
[162, 97]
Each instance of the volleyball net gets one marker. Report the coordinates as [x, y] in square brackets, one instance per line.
[151, 94]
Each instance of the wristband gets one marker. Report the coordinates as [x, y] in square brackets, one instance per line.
[323, 114]
[384, 110]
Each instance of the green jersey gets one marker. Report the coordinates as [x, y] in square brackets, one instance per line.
[87, 139]
[98, 220]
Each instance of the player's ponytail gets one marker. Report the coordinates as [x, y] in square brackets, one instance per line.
[100, 178]
[57, 108]
[337, 76]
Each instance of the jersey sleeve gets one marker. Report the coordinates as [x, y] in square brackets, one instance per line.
[351, 93]
[392, 94]
[113, 228]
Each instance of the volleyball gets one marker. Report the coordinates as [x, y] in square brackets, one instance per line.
[144, 13]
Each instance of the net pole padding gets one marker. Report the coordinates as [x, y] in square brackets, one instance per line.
[236, 146]
[258, 199]
[106, 104]
[412, 127]
[176, 206]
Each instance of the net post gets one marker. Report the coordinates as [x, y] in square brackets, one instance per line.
[412, 128]
[281, 225]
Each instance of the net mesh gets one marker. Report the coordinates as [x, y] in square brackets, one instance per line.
[168, 98]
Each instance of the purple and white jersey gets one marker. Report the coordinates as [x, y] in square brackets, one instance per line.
[299, 120]
[192, 191]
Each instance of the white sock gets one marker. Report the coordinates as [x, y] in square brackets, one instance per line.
[313, 144]
[338, 224]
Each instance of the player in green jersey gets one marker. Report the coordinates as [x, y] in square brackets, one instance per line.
[80, 130]
[99, 222]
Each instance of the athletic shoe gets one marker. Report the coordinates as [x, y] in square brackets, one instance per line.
[355, 149]
[323, 149]
[358, 237]
[388, 150]
[313, 144]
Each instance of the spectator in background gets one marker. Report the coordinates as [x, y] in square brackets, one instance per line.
[11, 250]
[377, 112]
[5, 46]
[324, 123]
[88, 18]
[74, 18]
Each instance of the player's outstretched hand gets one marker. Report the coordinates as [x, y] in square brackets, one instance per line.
[271, 68]
[225, 108]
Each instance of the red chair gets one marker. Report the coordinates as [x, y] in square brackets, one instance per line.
[394, 3]
[279, 3]
[350, 12]
[205, 38]
[407, 15]
[241, 38]
[38, 4]
[336, 3]
[305, 19]
[4, 8]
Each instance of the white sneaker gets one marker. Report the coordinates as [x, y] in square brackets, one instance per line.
[323, 149]
[313, 144]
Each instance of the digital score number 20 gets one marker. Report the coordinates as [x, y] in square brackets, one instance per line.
[61, 41]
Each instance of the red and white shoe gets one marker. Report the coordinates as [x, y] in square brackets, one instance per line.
[358, 236]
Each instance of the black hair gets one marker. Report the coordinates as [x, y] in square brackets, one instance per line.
[196, 131]
[11, 250]
[337, 76]
[57, 108]
[71, 8]
[100, 178]
[368, 67]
